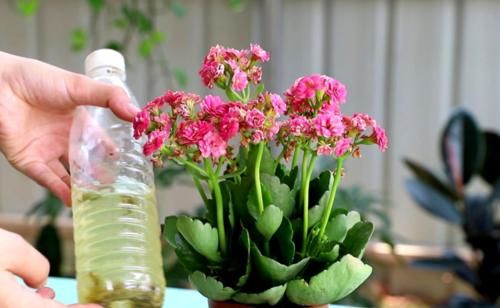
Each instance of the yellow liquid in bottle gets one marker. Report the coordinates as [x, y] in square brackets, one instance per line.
[117, 247]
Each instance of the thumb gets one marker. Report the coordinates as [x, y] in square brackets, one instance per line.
[85, 91]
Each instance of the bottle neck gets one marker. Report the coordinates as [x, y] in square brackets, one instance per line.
[107, 71]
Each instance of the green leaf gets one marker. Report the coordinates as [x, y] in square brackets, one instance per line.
[188, 257]
[332, 284]
[319, 186]
[27, 7]
[281, 195]
[178, 8]
[252, 203]
[245, 242]
[352, 218]
[96, 5]
[287, 177]
[240, 197]
[145, 48]
[430, 179]
[259, 89]
[329, 256]
[271, 296]
[283, 240]
[433, 202]
[210, 287]
[181, 77]
[78, 40]
[316, 211]
[115, 45]
[267, 163]
[273, 271]
[336, 229]
[170, 230]
[357, 238]
[269, 221]
[202, 237]
[462, 147]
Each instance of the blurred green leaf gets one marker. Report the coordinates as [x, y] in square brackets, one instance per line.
[120, 23]
[49, 244]
[433, 201]
[357, 238]
[147, 45]
[270, 296]
[115, 45]
[96, 5]
[210, 287]
[237, 5]
[178, 8]
[78, 40]
[490, 170]
[462, 147]
[181, 77]
[429, 178]
[27, 7]
[50, 206]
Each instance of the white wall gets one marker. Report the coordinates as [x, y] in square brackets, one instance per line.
[407, 62]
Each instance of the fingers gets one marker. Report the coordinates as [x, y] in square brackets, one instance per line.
[85, 306]
[46, 293]
[23, 260]
[46, 177]
[14, 295]
[85, 91]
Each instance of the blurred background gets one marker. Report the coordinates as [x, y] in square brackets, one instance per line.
[410, 63]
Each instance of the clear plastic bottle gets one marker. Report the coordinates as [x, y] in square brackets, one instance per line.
[116, 227]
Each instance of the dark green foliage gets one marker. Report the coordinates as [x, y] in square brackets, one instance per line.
[466, 152]
[262, 259]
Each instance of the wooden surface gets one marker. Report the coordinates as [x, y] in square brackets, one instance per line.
[407, 62]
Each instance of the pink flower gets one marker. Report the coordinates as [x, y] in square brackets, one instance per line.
[255, 74]
[331, 108]
[380, 138]
[299, 126]
[361, 121]
[155, 141]
[228, 127]
[342, 146]
[329, 125]
[258, 53]
[308, 85]
[210, 72]
[336, 90]
[255, 118]
[273, 130]
[141, 123]
[325, 149]
[240, 81]
[212, 145]
[211, 105]
[257, 136]
[191, 132]
[163, 120]
[279, 105]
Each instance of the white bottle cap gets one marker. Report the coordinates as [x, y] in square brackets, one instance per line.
[104, 58]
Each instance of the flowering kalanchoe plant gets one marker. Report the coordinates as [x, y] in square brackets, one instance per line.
[271, 234]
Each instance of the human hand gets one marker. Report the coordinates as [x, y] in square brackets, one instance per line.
[37, 102]
[18, 258]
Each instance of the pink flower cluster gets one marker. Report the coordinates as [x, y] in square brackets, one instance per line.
[229, 67]
[195, 128]
[311, 93]
[315, 120]
[205, 131]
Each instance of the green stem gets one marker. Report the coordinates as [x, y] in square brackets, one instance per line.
[219, 205]
[305, 225]
[192, 166]
[303, 174]
[295, 157]
[278, 159]
[331, 198]
[197, 183]
[258, 188]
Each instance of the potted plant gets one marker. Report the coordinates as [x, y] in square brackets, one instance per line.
[467, 152]
[271, 234]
